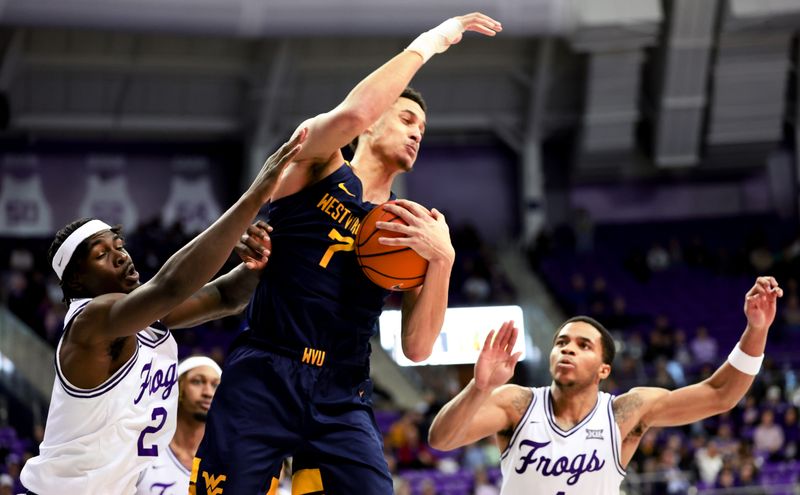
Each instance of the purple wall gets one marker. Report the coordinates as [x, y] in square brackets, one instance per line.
[470, 184]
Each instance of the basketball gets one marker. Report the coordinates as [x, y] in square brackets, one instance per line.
[391, 267]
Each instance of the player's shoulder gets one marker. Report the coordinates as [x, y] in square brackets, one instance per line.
[98, 307]
[515, 399]
[90, 318]
[630, 405]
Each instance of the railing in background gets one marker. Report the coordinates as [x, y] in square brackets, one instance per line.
[26, 361]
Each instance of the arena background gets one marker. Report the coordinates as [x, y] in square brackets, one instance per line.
[633, 160]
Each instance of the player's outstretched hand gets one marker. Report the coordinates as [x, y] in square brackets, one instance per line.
[760, 303]
[450, 32]
[427, 232]
[496, 363]
[255, 246]
[268, 177]
[479, 23]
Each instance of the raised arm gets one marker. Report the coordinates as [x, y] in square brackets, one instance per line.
[645, 407]
[330, 131]
[485, 406]
[229, 294]
[118, 315]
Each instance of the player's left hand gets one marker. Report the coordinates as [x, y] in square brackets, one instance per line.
[760, 303]
[255, 246]
[496, 362]
[427, 232]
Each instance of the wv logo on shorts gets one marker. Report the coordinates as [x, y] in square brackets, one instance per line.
[313, 356]
[212, 482]
[594, 434]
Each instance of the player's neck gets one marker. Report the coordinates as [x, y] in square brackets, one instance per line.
[376, 179]
[187, 438]
[570, 405]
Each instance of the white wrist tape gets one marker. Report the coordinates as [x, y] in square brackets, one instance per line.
[745, 363]
[438, 39]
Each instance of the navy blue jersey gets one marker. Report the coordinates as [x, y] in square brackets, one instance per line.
[313, 296]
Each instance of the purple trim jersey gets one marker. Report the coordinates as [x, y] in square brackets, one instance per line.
[166, 476]
[99, 440]
[584, 460]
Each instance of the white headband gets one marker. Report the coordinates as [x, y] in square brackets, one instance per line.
[193, 362]
[67, 248]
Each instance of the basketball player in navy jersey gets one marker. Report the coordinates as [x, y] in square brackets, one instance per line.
[570, 438]
[298, 385]
[115, 397]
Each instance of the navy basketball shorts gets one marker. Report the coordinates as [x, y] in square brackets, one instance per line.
[271, 406]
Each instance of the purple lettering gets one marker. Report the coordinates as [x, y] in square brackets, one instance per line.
[576, 466]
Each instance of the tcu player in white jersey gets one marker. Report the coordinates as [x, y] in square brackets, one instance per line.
[115, 398]
[570, 438]
[198, 378]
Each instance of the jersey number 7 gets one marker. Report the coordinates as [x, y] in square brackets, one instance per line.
[343, 244]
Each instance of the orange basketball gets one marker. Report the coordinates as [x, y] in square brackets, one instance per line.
[391, 267]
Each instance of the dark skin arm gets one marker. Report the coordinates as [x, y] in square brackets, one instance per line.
[101, 337]
[229, 294]
[645, 407]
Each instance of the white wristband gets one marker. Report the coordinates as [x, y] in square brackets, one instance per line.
[438, 39]
[745, 363]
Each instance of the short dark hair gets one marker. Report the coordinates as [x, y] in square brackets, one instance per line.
[410, 93]
[606, 340]
[68, 287]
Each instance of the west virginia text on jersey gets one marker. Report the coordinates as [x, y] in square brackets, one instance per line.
[312, 293]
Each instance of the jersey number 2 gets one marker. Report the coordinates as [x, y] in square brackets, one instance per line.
[343, 244]
[152, 451]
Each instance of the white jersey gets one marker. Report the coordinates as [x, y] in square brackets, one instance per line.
[541, 458]
[165, 476]
[99, 440]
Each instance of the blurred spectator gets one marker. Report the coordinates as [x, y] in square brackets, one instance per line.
[619, 318]
[482, 484]
[6, 485]
[599, 298]
[761, 260]
[428, 487]
[768, 437]
[402, 487]
[661, 342]
[657, 258]
[474, 457]
[726, 479]
[414, 453]
[750, 416]
[635, 346]
[791, 431]
[790, 316]
[675, 251]
[629, 372]
[704, 346]
[709, 462]
[578, 296]
[748, 476]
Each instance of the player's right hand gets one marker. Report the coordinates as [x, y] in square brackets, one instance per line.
[495, 365]
[266, 181]
[479, 23]
[255, 246]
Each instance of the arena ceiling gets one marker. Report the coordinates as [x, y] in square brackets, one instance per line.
[673, 79]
